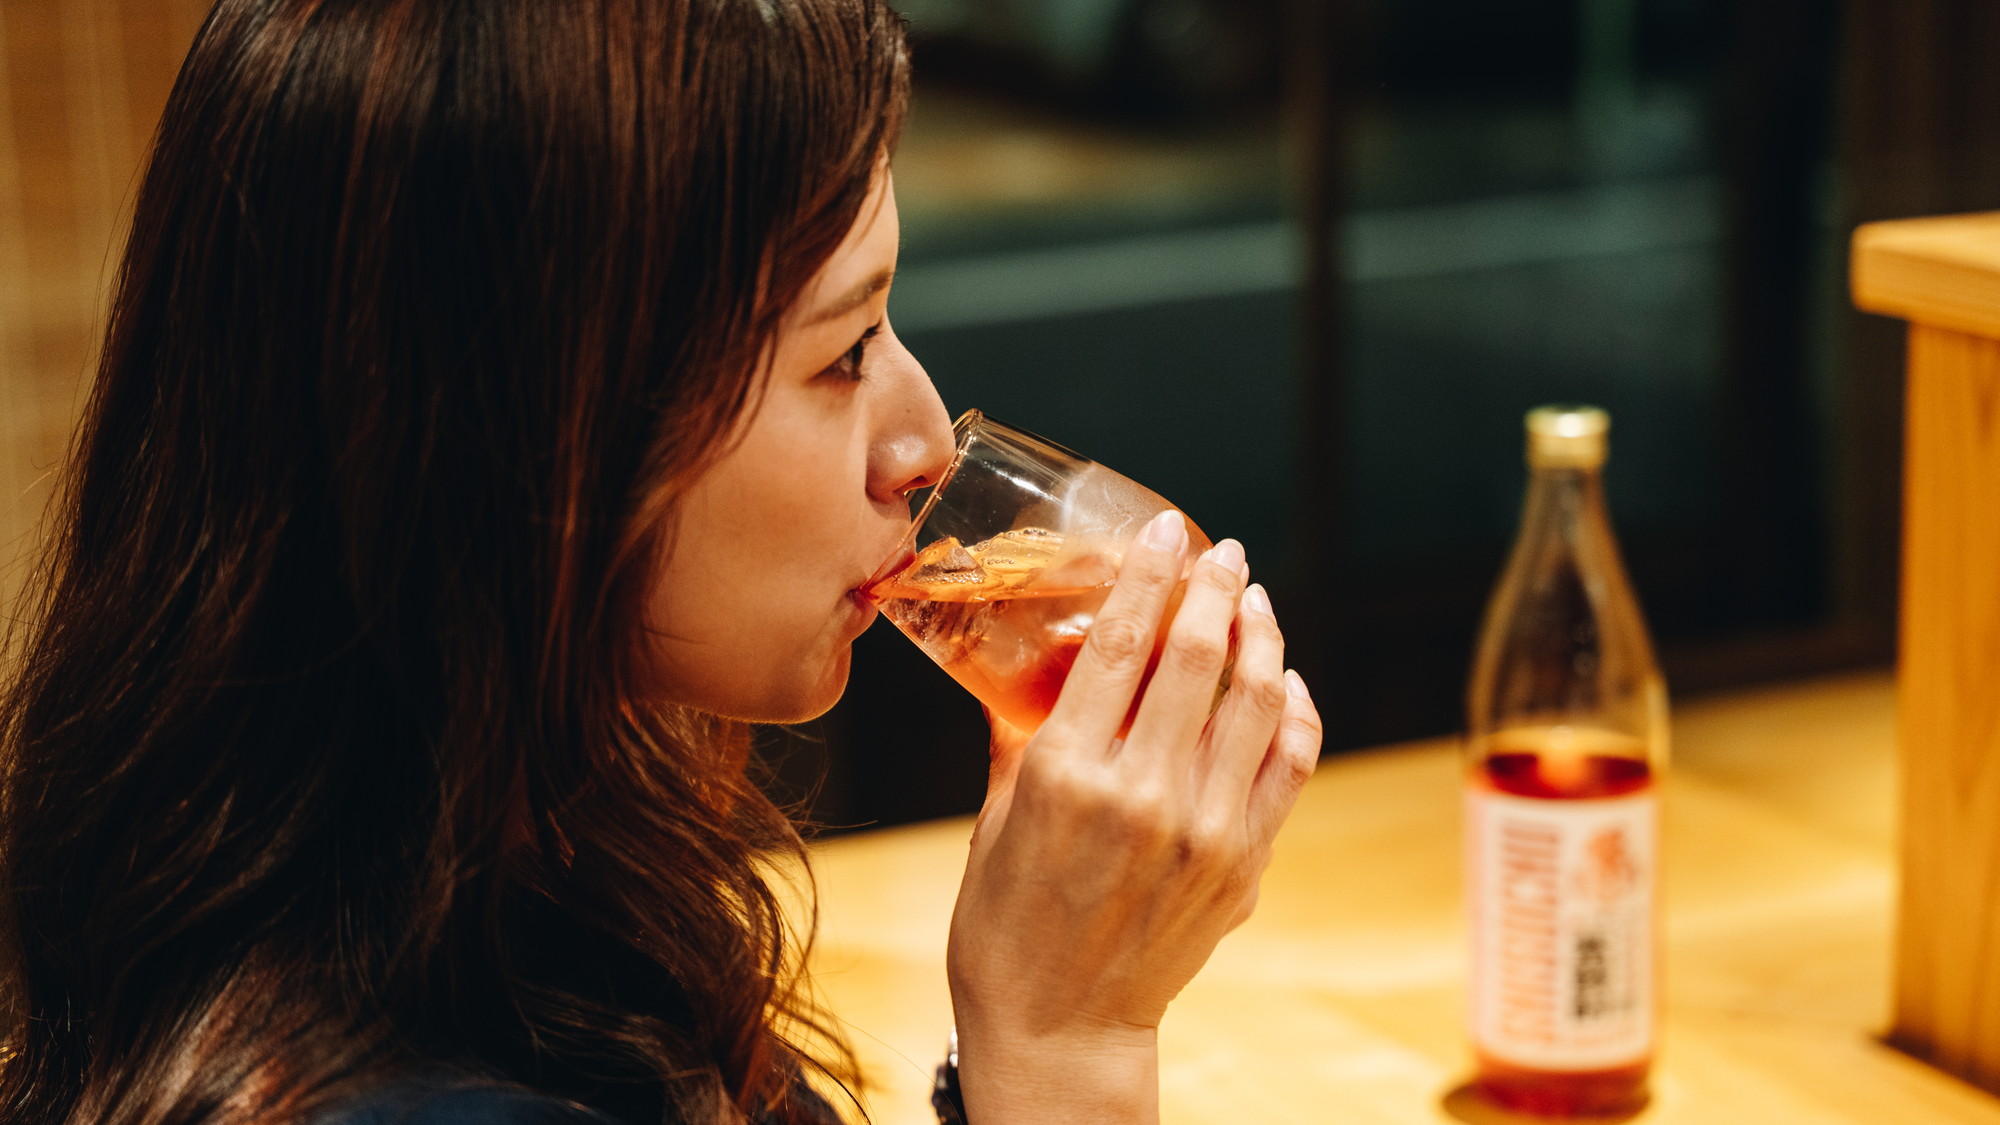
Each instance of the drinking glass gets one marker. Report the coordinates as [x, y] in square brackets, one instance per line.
[1008, 559]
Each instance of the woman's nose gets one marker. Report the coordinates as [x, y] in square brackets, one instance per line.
[913, 440]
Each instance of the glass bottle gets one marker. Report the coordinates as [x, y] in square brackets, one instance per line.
[1567, 741]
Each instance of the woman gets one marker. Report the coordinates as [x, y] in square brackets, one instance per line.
[499, 411]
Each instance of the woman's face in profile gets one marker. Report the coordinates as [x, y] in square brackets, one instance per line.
[755, 609]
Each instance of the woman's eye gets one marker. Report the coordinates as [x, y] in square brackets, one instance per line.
[848, 366]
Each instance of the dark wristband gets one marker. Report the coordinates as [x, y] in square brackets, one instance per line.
[945, 1097]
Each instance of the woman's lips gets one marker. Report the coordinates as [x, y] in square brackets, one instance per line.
[881, 573]
[863, 608]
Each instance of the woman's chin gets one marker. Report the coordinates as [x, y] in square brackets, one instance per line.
[802, 699]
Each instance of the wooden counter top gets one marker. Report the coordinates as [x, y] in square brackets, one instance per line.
[1340, 1001]
[1942, 271]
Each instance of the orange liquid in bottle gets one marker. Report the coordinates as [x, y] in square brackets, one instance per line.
[1566, 718]
[1518, 767]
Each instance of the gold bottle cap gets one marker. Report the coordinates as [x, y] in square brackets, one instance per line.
[1567, 437]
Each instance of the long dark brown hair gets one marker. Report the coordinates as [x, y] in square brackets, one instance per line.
[328, 757]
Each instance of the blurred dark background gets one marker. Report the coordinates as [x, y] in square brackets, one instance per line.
[1300, 266]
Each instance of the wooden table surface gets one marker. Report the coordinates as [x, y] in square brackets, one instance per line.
[1340, 1001]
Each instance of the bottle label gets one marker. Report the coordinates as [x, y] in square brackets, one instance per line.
[1561, 896]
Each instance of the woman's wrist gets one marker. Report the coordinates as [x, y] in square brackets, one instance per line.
[1110, 1076]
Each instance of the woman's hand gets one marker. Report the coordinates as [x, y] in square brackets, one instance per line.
[1103, 872]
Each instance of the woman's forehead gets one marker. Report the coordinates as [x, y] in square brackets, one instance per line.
[865, 261]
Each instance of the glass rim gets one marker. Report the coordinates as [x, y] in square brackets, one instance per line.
[964, 429]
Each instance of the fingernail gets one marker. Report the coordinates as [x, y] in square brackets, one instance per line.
[1257, 599]
[1296, 686]
[1228, 555]
[1167, 532]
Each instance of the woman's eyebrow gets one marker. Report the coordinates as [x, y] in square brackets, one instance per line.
[854, 299]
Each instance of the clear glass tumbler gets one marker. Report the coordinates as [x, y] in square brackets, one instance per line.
[1008, 559]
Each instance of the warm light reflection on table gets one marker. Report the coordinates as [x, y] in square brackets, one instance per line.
[1339, 1002]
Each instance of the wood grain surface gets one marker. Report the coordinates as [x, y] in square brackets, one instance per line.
[1340, 1000]
[1948, 938]
[1943, 276]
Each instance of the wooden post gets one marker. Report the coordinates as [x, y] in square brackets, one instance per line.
[1943, 276]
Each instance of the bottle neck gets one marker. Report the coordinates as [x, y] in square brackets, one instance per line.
[1564, 499]
[1564, 644]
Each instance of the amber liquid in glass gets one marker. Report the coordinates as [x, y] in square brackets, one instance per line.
[1006, 617]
